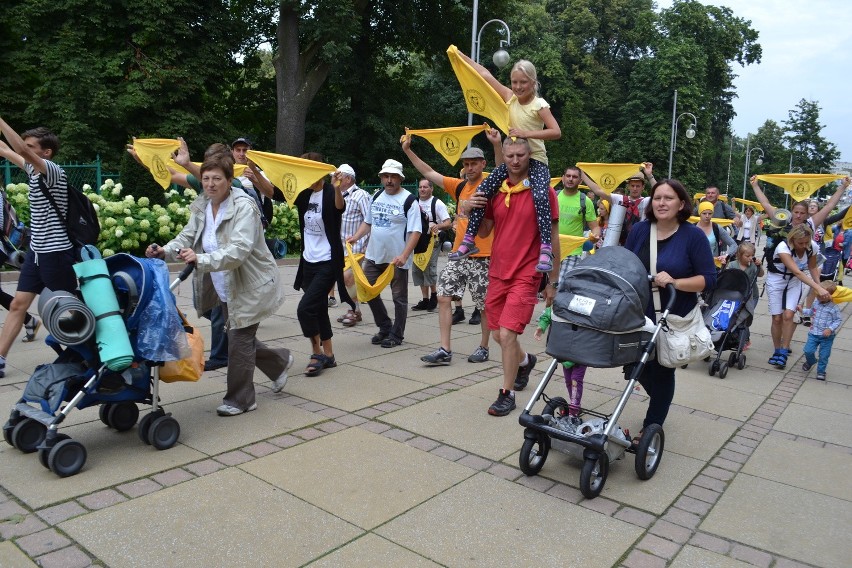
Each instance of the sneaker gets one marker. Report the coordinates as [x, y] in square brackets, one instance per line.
[820, 376]
[212, 365]
[478, 356]
[433, 302]
[2, 369]
[279, 383]
[458, 315]
[421, 305]
[31, 329]
[475, 317]
[228, 410]
[523, 376]
[438, 357]
[332, 301]
[806, 366]
[504, 404]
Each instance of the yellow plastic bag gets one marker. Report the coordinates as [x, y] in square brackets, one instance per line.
[188, 369]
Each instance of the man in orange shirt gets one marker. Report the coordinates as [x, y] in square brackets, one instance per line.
[471, 272]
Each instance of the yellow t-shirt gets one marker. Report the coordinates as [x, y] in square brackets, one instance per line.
[526, 117]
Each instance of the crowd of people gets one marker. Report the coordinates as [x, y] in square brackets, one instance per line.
[506, 251]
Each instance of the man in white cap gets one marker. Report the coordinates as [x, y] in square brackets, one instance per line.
[393, 223]
[357, 206]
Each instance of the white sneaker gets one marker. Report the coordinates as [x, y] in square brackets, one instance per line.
[279, 383]
[228, 410]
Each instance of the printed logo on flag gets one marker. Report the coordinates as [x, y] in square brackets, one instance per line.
[608, 182]
[450, 144]
[800, 190]
[159, 169]
[288, 186]
[475, 99]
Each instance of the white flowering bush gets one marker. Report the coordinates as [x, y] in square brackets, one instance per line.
[129, 224]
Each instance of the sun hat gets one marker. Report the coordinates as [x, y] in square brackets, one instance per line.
[392, 167]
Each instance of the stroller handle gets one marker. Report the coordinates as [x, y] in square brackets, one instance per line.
[671, 290]
[184, 274]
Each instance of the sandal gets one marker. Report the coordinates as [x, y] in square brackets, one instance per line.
[319, 362]
[464, 251]
[779, 359]
[545, 261]
[31, 329]
[351, 318]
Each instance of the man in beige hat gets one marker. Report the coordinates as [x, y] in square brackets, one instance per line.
[393, 223]
[357, 205]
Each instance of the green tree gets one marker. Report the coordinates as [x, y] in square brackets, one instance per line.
[811, 151]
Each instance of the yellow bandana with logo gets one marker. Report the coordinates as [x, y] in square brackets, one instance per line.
[609, 176]
[569, 244]
[367, 291]
[757, 206]
[522, 186]
[289, 174]
[155, 154]
[421, 259]
[480, 97]
[800, 186]
[449, 142]
[238, 168]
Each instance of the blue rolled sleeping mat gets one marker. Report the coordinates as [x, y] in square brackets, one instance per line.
[111, 335]
[66, 317]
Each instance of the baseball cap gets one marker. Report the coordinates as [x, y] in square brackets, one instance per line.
[241, 140]
[472, 154]
[346, 169]
[392, 167]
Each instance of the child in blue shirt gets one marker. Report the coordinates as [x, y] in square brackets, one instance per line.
[824, 326]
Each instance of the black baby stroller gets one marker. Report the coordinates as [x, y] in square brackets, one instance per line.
[830, 268]
[83, 375]
[598, 320]
[728, 314]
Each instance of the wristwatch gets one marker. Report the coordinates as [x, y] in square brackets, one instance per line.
[554, 283]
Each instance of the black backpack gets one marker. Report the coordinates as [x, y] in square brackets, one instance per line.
[82, 221]
[425, 235]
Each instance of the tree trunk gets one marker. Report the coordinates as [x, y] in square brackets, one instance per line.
[298, 77]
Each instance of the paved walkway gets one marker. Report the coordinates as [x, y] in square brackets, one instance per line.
[382, 462]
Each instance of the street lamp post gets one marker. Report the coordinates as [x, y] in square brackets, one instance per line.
[758, 162]
[501, 56]
[690, 132]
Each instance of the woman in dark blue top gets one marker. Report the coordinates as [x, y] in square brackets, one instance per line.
[683, 260]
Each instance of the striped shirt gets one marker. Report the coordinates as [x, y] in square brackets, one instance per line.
[357, 204]
[49, 232]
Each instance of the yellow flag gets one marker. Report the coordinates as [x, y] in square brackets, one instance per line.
[422, 259]
[569, 243]
[480, 97]
[800, 186]
[291, 175]
[609, 176]
[238, 168]
[699, 196]
[155, 154]
[847, 220]
[449, 142]
[356, 258]
[720, 222]
[757, 206]
[367, 291]
[842, 294]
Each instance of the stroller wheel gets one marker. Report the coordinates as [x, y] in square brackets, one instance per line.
[723, 371]
[593, 476]
[28, 434]
[534, 453]
[66, 458]
[732, 359]
[103, 413]
[741, 361]
[164, 432]
[145, 425]
[44, 453]
[123, 416]
[714, 367]
[7, 433]
[649, 452]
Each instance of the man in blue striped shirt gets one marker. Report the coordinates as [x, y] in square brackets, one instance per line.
[49, 262]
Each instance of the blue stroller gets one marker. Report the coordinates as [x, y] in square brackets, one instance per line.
[78, 378]
[728, 315]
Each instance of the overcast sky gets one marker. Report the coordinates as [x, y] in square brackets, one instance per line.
[807, 54]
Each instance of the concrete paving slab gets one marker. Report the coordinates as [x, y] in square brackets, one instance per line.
[13, 557]
[228, 518]
[816, 423]
[203, 430]
[367, 478]
[351, 388]
[468, 525]
[407, 365]
[830, 396]
[773, 459]
[712, 395]
[372, 550]
[113, 457]
[694, 557]
[760, 513]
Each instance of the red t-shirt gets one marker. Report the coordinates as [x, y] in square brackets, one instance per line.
[517, 241]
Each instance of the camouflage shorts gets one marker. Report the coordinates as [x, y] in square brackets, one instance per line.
[467, 272]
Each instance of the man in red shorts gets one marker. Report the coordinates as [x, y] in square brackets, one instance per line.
[513, 282]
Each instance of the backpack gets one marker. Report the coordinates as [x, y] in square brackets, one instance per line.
[425, 235]
[81, 223]
[9, 220]
[631, 217]
[775, 237]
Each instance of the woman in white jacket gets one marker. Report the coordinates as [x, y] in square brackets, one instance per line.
[234, 268]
